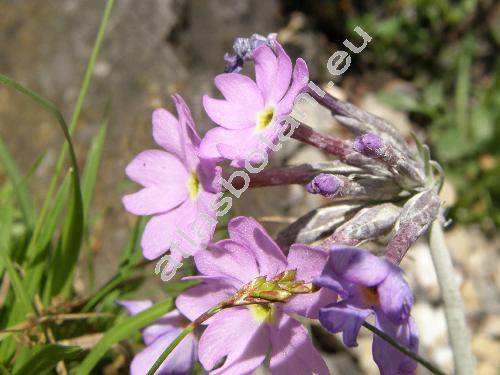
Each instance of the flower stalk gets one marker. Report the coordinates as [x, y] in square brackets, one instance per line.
[458, 333]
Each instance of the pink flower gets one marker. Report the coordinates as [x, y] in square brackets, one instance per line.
[252, 110]
[179, 187]
[246, 334]
[157, 337]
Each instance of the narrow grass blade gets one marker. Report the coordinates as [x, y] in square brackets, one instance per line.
[121, 331]
[23, 196]
[17, 285]
[91, 169]
[130, 257]
[43, 359]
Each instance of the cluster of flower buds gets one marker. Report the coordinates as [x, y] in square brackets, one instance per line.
[251, 286]
[397, 195]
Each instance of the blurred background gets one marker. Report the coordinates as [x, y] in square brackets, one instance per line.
[432, 67]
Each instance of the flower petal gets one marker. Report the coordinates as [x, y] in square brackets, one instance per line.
[307, 260]
[154, 200]
[356, 265]
[266, 65]
[186, 120]
[293, 351]
[167, 231]
[167, 132]
[249, 233]
[235, 334]
[171, 321]
[236, 139]
[283, 75]
[135, 306]
[198, 299]
[240, 90]
[180, 361]
[230, 115]
[345, 318]
[157, 168]
[229, 259]
[299, 84]
[308, 305]
[395, 297]
[390, 360]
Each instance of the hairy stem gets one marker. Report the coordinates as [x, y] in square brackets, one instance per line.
[458, 333]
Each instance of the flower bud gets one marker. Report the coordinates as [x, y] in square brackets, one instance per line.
[325, 184]
[243, 48]
[368, 144]
[368, 224]
[417, 215]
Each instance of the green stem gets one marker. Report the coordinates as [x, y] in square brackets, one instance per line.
[458, 333]
[214, 310]
[429, 366]
[170, 348]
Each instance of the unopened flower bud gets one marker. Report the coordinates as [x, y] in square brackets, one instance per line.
[325, 184]
[243, 48]
[368, 144]
[368, 224]
[417, 215]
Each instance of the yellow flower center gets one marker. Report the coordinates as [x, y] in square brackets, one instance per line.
[262, 313]
[265, 117]
[193, 185]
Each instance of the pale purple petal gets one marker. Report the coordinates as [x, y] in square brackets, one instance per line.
[155, 199]
[307, 260]
[283, 75]
[395, 297]
[229, 259]
[355, 265]
[390, 360]
[236, 139]
[186, 120]
[163, 231]
[266, 65]
[249, 233]
[345, 318]
[179, 362]
[292, 350]
[167, 132]
[308, 305]
[236, 334]
[135, 306]
[155, 167]
[299, 84]
[200, 298]
[230, 115]
[171, 321]
[240, 90]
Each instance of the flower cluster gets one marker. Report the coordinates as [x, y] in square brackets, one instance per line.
[252, 288]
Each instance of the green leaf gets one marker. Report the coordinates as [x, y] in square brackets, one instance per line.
[93, 161]
[23, 196]
[17, 285]
[44, 358]
[122, 331]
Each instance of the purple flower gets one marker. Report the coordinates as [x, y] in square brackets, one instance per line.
[252, 110]
[157, 337]
[325, 184]
[370, 285]
[244, 334]
[179, 187]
